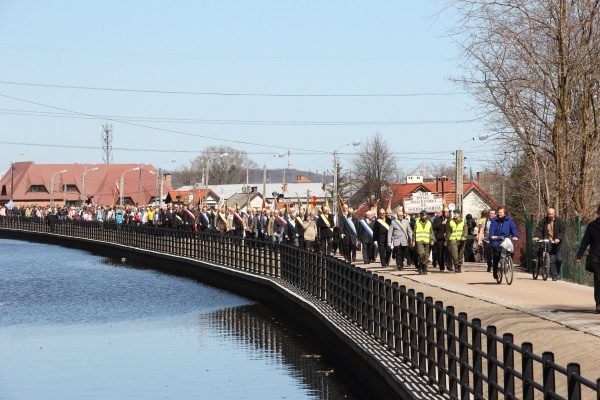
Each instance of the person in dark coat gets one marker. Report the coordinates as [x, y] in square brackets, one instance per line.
[439, 231]
[591, 238]
[502, 226]
[365, 235]
[325, 224]
[292, 228]
[553, 228]
[380, 234]
[349, 234]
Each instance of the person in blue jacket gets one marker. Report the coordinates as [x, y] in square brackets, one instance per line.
[502, 226]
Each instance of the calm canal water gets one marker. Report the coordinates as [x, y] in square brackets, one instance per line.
[78, 326]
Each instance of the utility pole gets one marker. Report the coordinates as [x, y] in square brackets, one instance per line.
[247, 192]
[335, 184]
[160, 184]
[139, 188]
[459, 179]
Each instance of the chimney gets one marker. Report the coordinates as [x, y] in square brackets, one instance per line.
[442, 184]
[479, 177]
[285, 188]
[167, 180]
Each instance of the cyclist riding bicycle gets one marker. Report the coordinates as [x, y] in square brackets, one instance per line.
[553, 228]
[501, 226]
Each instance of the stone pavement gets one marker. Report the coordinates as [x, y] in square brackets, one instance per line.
[554, 316]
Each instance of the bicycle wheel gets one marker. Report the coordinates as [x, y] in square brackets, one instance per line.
[508, 269]
[500, 271]
[535, 270]
[546, 266]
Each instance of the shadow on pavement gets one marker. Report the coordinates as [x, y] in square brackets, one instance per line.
[579, 310]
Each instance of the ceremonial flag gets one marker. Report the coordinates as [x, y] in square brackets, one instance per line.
[117, 184]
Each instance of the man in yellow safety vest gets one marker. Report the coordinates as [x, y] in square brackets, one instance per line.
[424, 239]
[456, 234]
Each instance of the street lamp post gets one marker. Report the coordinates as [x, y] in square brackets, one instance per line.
[335, 175]
[52, 185]
[12, 177]
[206, 173]
[140, 183]
[460, 174]
[85, 171]
[265, 175]
[122, 185]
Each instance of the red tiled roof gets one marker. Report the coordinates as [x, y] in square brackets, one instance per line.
[403, 190]
[101, 183]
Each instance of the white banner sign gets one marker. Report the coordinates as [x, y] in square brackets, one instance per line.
[423, 201]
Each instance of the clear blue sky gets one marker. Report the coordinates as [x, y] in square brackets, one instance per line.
[250, 53]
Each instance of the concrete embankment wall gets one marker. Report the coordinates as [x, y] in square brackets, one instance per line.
[309, 313]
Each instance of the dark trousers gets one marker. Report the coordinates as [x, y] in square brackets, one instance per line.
[496, 258]
[326, 246]
[367, 252]
[556, 258]
[469, 255]
[440, 252]
[399, 254]
[384, 255]
[596, 267]
[349, 252]
[487, 251]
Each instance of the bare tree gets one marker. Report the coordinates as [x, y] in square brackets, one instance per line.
[534, 69]
[374, 170]
[222, 170]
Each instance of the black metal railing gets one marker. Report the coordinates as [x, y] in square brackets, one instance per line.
[460, 357]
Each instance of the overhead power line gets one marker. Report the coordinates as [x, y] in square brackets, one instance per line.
[229, 141]
[156, 91]
[47, 114]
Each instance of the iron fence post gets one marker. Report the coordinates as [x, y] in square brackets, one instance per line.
[527, 365]
[430, 329]
[573, 384]
[509, 364]
[463, 355]
[548, 374]
[477, 358]
[421, 333]
[492, 363]
[441, 356]
[451, 336]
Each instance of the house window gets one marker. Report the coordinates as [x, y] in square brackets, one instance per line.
[3, 190]
[69, 188]
[37, 189]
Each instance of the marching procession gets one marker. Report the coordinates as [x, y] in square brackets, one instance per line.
[380, 235]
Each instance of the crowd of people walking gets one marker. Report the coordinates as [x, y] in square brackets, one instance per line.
[444, 239]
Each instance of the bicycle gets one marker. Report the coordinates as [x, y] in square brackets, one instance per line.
[543, 260]
[505, 266]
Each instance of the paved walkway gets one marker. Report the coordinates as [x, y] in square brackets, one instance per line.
[554, 316]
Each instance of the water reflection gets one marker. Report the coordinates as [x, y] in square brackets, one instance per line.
[74, 325]
[258, 329]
